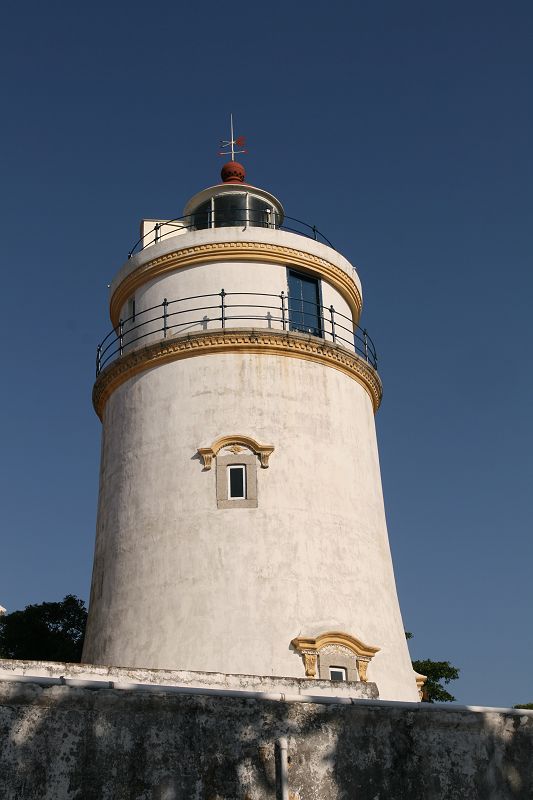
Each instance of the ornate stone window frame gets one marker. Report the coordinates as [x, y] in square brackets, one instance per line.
[237, 446]
[334, 648]
[250, 465]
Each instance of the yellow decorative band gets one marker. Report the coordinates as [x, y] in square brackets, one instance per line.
[257, 341]
[237, 251]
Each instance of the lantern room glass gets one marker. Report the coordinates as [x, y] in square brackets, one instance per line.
[235, 209]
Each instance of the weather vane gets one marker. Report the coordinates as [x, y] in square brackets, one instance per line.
[231, 143]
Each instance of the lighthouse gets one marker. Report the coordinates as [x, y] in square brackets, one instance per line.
[241, 525]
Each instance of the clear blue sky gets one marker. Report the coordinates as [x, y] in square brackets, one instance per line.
[403, 131]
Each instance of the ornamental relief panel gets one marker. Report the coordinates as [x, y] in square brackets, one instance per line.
[335, 648]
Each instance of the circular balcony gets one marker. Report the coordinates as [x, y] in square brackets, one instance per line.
[223, 310]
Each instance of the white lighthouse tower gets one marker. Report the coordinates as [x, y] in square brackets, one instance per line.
[241, 526]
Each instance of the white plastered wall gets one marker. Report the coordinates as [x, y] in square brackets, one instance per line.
[253, 300]
[181, 584]
[250, 235]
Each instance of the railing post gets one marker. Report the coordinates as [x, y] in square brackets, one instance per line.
[121, 336]
[223, 308]
[315, 232]
[165, 304]
[332, 314]
[283, 320]
[98, 360]
[322, 321]
[365, 343]
[156, 232]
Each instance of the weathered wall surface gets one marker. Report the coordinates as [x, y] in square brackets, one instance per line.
[179, 583]
[63, 743]
[60, 671]
[182, 579]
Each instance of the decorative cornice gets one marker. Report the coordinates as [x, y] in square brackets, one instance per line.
[302, 643]
[310, 648]
[237, 251]
[257, 341]
[264, 451]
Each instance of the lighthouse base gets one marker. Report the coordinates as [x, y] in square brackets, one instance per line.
[154, 679]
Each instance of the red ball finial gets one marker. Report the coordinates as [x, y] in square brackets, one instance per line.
[233, 172]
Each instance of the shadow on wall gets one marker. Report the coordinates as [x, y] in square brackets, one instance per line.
[434, 753]
[65, 743]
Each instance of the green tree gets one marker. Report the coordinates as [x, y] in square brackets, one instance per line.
[525, 705]
[45, 632]
[436, 673]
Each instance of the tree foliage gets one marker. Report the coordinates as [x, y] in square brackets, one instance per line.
[525, 705]
[435, 671]
[45, 632]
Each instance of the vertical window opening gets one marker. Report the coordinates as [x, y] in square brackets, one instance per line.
[237, 482]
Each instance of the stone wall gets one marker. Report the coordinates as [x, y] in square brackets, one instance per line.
[71, 743]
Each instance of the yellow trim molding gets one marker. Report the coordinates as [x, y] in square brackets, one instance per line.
[237, 251]
[420, 681]
[236, 442]
[257, 341]
[335, 637]
[309, 649]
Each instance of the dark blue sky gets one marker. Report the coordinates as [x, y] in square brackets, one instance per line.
[403, 131]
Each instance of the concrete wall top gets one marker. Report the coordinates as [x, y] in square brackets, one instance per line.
[28, 671]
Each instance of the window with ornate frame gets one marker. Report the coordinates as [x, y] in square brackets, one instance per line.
[236, 470]
[334, 650]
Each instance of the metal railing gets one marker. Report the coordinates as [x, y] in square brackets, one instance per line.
[249, 219]
[273, 311]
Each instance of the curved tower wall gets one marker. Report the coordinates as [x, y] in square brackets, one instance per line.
[182, 582]
[249, 274]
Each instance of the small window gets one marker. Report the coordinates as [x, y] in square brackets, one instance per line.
[337, 674]
[237, 482]
[131, 310]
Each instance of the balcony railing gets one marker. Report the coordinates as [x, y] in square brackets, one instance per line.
[246, 219]
[231, 309]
